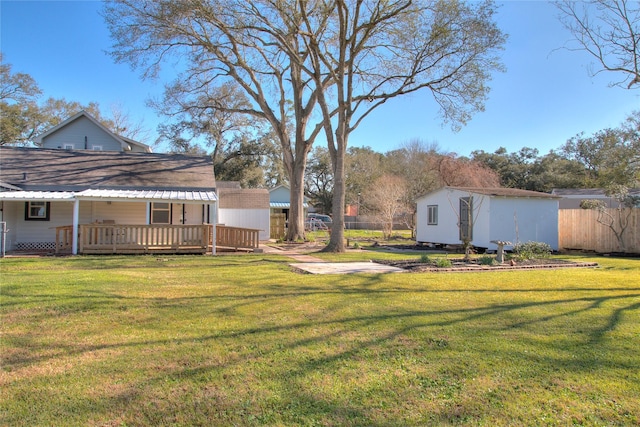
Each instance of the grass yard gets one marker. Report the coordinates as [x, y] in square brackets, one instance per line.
[242, 340]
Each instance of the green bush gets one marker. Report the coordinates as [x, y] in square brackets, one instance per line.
[424, 258]
[487, 260]
[443, 263]
[531, 250]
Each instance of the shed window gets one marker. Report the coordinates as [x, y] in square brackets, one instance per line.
[37, 211]
[160, 213]
[432, 215]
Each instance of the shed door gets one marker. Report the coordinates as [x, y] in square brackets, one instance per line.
[466, 218]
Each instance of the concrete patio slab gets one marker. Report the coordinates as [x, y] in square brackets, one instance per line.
[345, 267]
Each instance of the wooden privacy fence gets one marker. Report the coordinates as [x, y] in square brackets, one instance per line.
[143, 239]
[579, 229]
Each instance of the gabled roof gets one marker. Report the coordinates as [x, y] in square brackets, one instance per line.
[39, 169]
[499, 192]
[124, 141]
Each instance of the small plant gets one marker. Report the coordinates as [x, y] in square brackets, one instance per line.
[532, 250]
[487, 260]
[424, 258]
[443, 263]
[356, 245]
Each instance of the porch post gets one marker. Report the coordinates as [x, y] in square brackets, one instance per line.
[74, 235]
[213, 214]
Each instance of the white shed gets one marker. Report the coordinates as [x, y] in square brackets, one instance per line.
[489, 214]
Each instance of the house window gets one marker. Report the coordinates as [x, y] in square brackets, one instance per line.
[37, 211]
[432, 215]
[160, 213]
[97, 148]
[68, 146]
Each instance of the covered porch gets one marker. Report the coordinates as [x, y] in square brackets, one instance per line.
[140, 222]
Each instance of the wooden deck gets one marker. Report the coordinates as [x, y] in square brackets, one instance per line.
[149, 239]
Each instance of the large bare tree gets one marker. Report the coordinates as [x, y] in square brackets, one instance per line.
[316, 66]
[609, 30]
[365, 53]
[255, 44]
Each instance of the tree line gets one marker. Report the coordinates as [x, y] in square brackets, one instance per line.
[386, 184]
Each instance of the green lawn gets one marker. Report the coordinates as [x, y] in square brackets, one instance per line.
[242, 340]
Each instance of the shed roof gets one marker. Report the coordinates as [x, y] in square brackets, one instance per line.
[499, 192]
[69, 170]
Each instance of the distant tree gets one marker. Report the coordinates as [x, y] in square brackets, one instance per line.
[19, 110]
[527, 170]
[17, 87]
[609, 30]
[416, 163]
[385, 201]
[363, 166]
[462, 172]
[199, 125]
[610, 156]
[319, 179]
[618, 220]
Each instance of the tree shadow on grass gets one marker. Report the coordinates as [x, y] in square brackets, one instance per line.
[323, 343]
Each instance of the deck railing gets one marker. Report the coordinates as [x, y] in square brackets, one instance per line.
[143, 239]
[237, 238]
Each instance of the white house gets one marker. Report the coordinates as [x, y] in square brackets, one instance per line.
[488, 214]
[88, 190]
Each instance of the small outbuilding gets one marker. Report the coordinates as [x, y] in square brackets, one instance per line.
[486, 215]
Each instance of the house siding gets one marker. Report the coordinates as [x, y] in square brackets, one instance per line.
[280, 195]
[61, 214]
[75, 132]
[246, 218]
[127, 213]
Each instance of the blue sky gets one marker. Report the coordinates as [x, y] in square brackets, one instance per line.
[545, 97]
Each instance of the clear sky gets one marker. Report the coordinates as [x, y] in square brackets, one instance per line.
[545, 97]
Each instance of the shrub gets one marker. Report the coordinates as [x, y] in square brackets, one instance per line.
[531, 250]
[424, 258]
[443, 263]
[356, 245]
[487, 260]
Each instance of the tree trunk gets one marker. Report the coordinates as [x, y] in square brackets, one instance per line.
[336, 241]
[295, 230]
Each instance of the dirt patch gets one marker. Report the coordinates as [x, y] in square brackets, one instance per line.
[474, 265]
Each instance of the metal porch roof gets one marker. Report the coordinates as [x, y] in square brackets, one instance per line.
[148, 195]
[40, 196]
[112, 195]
